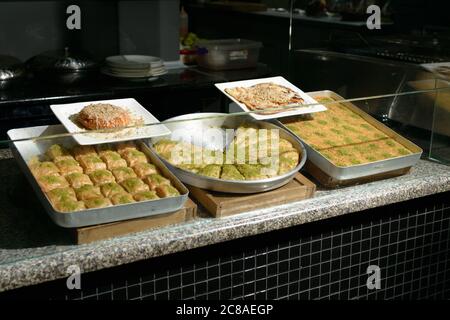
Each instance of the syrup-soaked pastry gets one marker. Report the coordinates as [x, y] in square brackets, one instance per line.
[78, 180]
[87, 192]
[155, 180]
[144, 169]
[164, 191]
[123, 173]
[134, 185]
[48, 183]
[111, 189]
[100, 177]
[145, 196]
[113, 160]
[122, 198]
[91, 163]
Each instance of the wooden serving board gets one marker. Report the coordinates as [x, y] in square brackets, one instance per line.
[221, 204]
[105, 231]
[330, 182]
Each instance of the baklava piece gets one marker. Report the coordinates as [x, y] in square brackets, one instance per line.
[57, 152]
[103, 148]
[164, 147]
[68, 166]
[251, 172]
[113, 160]
[100, 177]
[123, 147]
[134, 185]
[230, 172]
[144, 169]
[45, 168]
[155, 180]
[123, 173]
[111, 189]
[164, 191]
[211, 170]
[88, 192]
[145, 196]
[122, 198]
[91, 163]
[134, 157]
[80, 151]
[77, 180]
[70, 206]
[48, 183]
[61, 194]
[97, 203]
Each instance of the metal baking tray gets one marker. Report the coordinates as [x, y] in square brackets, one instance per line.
[24, 150]
[363, 170]
[228, 121]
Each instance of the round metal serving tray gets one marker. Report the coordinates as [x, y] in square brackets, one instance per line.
[202, 120]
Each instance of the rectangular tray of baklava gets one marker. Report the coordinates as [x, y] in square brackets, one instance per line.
[89, 185]
[346, 143]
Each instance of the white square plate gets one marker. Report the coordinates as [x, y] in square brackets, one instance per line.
[64, 112]
[277, 80]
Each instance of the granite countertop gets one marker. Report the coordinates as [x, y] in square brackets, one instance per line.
[34, 250]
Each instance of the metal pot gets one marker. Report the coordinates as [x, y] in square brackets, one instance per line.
[63, 66]
[12, 70]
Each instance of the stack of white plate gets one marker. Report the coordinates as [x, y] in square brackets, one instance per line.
[134, 66]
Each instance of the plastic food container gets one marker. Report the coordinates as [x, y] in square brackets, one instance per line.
[228, 54]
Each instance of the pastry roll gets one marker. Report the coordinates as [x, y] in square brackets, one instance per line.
[45, 168]
[284, 146]
[124, 173]
[145, 195]
[288, 161]
[113, 160]
[77, 180]
[251, 172]
[61, 194]
[122, 198]
[134, 157]
[134, 185]
[164, 191]
[230, 172]
[57, 152]
[211, 170]
[48, 183]
[111, 189]
[123, 147]
[68, 166]
[190, 167]
[155, 180]
[164, 147]
[100, 177]
[80, 151]
[91, 163]
[70, 206]
[97, 203]
[144, 169]
[87, 192]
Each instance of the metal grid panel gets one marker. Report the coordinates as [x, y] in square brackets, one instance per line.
[411, 248]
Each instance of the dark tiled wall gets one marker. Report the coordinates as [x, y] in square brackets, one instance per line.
[324, 260]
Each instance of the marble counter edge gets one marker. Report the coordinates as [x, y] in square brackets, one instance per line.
[141, 246]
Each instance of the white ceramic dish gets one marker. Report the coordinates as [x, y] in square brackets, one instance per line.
[134, 61]
[277, 80]
[64, 112]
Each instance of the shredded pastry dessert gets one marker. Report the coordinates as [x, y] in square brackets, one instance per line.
[103, 116]
[265, 96]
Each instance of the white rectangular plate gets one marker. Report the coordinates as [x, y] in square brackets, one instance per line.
[64, 111]
[277, 80]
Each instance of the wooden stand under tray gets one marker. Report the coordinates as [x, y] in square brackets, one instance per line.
[221, 204]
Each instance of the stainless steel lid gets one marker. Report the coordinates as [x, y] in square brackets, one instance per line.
[63, 61]
[10, 68]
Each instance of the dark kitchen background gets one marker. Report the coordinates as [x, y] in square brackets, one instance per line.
[315, 44]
